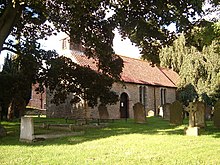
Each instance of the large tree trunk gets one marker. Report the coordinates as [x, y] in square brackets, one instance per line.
[16, 108]
[7, 21]
[21, 105]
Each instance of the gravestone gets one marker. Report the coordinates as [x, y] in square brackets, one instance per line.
[196, 112]
[150, 113]
[216, 116]
[192, 131]
[200, 114]
[103, 112]
[2, 131]
[191, 109]
[176, 113]
[139, 113]
[208, 112]
[166, 111]
[27, 129]
[160, 111]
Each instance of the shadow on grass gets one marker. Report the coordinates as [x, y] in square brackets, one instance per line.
[154, 126]
[211, 130]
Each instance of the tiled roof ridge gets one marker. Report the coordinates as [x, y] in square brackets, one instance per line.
[160, 68]
[123, 56]
[138, 59]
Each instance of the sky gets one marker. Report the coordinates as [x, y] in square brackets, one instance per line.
[121, 47]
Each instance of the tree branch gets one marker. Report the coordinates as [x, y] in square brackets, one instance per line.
[9, 49]
[8, 20]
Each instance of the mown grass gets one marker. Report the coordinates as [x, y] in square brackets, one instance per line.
[121, 142]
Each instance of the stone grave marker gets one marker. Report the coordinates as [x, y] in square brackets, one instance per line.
[176, 113]
[191, 109]
[103, 112]
[166, 111]
[139, 113]
[200, 114]
[216, 116]
[196, 112]
[192, 131]
[150, 113]
[160, 109]
[208, 112]
[27, 129]
[2, 131]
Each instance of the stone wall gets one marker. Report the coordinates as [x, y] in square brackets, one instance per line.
[114, 110]
[132, 90]
[65, 110]
[154, 99]
[37, 100]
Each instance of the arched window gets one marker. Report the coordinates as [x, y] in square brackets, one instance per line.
[143, 95]
[163, 96]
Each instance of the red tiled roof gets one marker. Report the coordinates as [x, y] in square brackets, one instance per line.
[141, 72]
[173, 76]
[134, 71]
[85, 61]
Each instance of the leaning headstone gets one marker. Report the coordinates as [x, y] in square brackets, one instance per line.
[139, 113]
[216, 116]
[2, 131]
[103, 112]
[27, 129]
[166, 111]
[176, 113]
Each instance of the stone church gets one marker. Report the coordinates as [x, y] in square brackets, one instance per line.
[150, 85]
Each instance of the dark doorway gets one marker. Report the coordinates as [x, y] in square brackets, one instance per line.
[124, 106]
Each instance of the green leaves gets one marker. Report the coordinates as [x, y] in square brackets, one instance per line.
[198, 70]
[65, 77]
[144, 22]
[203, 34]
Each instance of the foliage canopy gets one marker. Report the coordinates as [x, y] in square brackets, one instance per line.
[199, 70]
[92, 23]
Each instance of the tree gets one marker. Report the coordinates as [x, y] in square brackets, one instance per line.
[15, 85]
[199, 70]
[144, 22]
[203, 34]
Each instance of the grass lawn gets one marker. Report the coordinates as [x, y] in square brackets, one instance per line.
[121, 142]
